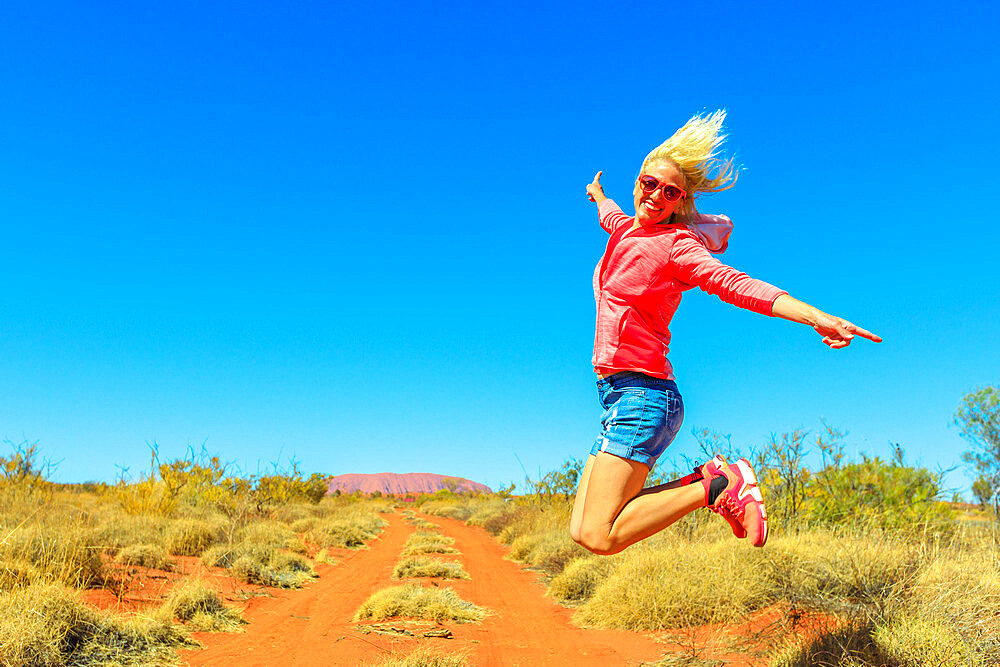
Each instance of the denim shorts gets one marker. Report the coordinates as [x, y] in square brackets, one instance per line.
[642, 414]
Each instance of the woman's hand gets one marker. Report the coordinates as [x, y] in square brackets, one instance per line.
[595, 192]
[836, 331]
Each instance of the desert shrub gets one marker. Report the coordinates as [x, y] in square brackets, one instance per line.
[199, 606]
[48, 625]
[145, 555]
[429, 567]
[887, 495]
[580, 578]
[61, 554]
[424, 658]
[190, 537]
[412, 600]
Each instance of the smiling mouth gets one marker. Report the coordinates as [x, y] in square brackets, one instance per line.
[651, 207]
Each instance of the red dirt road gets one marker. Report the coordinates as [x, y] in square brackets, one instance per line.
[313, 626]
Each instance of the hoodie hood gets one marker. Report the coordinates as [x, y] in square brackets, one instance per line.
[713, 230]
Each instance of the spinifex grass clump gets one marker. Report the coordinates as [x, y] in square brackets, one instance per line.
[678, 585]
[415, 601]
[199, 606]
[62, 554]
[429, 543]
[46, 624]
[115, 530]
[145, 555]
[580, 578]
[351, 531]
[429, 567]
[18, 574]
[424, 658]
[421, 524]
[261, 564]
[264, 532]
[271, 533]
[190, 537]
[304, 525]
[450, 511]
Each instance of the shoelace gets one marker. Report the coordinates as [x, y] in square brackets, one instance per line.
[730, 505]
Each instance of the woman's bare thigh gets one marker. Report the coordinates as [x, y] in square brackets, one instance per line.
[608, 482]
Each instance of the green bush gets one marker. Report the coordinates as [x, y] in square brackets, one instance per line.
[888, 495]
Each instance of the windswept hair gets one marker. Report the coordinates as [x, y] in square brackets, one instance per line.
[694, 149]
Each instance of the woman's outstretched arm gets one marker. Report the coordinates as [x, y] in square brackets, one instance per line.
[836, 331]
[595, 191]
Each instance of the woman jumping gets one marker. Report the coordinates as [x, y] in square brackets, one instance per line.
[650, 260]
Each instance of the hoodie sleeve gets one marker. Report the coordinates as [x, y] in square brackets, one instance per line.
[713, 231]
[690, 263]
[611, 215]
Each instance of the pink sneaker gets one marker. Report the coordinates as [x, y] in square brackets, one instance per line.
[742, 499]
[713, 468]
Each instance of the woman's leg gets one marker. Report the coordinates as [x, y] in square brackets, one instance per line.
[611, 510]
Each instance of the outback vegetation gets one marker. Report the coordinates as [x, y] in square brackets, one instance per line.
[61, 543]
[866, 564]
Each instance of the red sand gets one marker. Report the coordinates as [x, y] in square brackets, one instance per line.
[313, 626]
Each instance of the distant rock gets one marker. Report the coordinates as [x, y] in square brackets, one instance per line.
[411, 482]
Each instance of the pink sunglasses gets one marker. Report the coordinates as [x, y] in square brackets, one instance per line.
[671, 193]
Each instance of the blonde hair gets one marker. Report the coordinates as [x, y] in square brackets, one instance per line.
[694, 150]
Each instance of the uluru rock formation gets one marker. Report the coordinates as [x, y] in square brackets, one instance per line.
[411, 482]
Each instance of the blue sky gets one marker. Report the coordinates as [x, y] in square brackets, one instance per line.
[358, 236]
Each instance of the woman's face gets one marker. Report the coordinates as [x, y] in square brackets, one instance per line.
[651, 207]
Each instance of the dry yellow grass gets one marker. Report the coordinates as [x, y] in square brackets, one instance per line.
[190, 537]
[145, 555]
[46, 624]
[422, 542]
[198, 605]
[424, 658]
[415, 601]
[580, 578]
[429, 567]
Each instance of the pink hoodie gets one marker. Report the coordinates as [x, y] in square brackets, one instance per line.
[640, 279]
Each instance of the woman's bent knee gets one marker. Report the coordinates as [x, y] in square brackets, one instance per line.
[595, 542]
